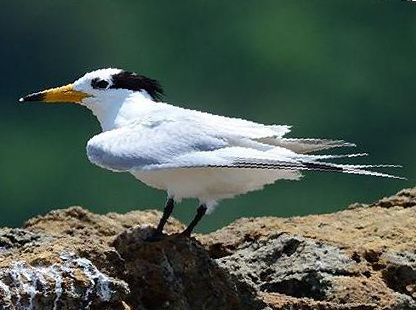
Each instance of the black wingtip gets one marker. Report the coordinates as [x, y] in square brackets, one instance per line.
[321, 166]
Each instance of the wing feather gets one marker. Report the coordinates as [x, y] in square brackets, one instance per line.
[195, 139]
[304, 146]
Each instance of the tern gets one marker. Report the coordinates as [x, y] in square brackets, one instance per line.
[188, 153]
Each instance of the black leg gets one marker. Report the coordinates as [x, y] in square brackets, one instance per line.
[167, 211]
[200, 212]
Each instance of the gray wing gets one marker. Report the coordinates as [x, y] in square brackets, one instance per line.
[149, 144]
[161, 138]
[205, 140]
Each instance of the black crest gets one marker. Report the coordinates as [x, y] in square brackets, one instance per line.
[136, 82]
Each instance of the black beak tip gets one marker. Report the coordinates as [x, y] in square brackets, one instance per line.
[32, 97]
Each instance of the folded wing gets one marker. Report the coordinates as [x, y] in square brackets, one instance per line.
[205, 140]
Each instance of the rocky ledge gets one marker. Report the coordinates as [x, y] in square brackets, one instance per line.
[360, 258]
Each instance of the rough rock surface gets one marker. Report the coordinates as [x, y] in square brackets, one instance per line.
[360, 258]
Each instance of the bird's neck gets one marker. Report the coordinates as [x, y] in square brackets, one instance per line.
[117, 112]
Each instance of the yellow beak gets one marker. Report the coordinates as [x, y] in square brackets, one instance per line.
[59, 94]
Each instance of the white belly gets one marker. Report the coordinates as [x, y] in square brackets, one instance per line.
[212, 184]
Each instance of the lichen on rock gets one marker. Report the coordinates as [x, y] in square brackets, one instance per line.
[74, 282]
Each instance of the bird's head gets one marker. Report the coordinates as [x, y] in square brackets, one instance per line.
[100, 87]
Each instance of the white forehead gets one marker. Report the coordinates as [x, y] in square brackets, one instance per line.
[102, 74]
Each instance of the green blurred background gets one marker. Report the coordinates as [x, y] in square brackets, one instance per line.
[332, 69]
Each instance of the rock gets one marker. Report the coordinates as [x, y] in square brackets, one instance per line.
[290, 265]
[70, 282]
[174, 273]
[287, 265]
[64, 260]
[360, 258]
[405, 198]
[399, 272]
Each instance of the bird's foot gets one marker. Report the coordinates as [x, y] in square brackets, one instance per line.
[156, 236]
[186, 233]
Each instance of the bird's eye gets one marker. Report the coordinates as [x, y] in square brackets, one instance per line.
[101, 84]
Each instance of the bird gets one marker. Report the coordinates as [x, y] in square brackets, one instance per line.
[189, 153]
